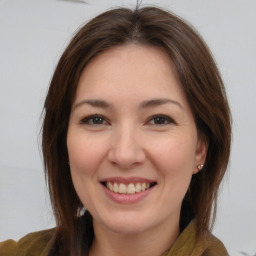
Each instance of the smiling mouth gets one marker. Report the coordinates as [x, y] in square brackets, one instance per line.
[131, 188]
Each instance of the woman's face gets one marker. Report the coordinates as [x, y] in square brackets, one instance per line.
[132, 140]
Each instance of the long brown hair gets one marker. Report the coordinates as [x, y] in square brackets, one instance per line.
[203, 87]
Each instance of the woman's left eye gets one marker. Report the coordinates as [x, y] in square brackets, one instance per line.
[160, 120]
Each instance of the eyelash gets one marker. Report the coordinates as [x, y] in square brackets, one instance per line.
[91, 118]
[165, 118]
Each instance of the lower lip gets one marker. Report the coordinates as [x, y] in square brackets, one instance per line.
[127, 198]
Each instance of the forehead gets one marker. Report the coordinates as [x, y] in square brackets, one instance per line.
[137, 55]
[130, 70]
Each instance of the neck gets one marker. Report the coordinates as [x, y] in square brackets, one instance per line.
[150, 242]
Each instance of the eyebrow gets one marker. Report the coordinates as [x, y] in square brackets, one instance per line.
[158, 102]
[144, 104]
[94, 103]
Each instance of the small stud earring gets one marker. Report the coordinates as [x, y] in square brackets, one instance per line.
[200, 167]
[81, 211]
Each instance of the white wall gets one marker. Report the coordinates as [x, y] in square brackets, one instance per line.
[33, 34]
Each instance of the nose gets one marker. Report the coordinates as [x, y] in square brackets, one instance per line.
[126, 150]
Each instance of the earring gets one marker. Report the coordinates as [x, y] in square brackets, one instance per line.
[200, 167]
[81, 211]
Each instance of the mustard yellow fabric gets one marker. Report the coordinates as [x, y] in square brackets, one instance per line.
[33, 244]
[40, 243]
[188, 245]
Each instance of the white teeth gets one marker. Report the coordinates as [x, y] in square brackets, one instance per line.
[115, 188]
[127, 189]
[110, 186]
[131, 189]
[122, 188]
[138, 187]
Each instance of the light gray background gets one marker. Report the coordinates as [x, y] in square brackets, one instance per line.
[33, 34]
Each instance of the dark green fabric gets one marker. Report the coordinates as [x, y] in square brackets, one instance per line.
[40, 243]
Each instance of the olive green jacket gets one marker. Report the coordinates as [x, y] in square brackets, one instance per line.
[39, 244]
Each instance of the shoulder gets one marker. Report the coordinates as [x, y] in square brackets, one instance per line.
[188, 244]
[207, 245]
[36, 243]
[211, 246]
[8, 248]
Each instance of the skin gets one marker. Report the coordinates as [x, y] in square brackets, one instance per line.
[125, 139]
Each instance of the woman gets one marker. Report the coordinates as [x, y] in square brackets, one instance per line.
[136, 131]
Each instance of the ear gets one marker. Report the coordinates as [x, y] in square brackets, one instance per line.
[200, 154]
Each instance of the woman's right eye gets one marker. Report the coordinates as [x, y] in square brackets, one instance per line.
[94, 120]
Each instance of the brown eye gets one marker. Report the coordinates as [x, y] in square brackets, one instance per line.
[94, 120]
[160, 120]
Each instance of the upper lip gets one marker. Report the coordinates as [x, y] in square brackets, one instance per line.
[127, 180]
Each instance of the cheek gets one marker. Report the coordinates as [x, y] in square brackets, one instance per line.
[174, 156]
[85, 153]
[174, 163]
[85, 156]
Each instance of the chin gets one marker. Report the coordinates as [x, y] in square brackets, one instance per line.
[127, 228]
[128, 223]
